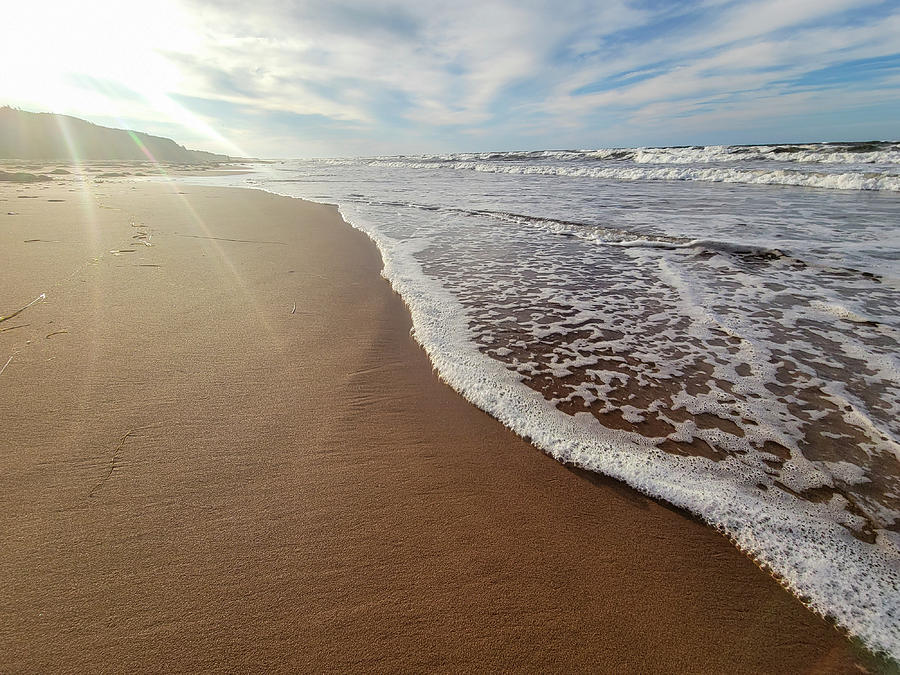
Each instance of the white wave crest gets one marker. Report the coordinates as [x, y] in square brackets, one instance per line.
[835, 181]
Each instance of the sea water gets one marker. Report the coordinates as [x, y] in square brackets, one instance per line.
[715, 326]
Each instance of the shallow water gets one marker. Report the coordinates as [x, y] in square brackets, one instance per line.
[698, 322]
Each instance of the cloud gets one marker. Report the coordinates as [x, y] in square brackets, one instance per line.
[449, 61]
[425, 76]
[738, 61]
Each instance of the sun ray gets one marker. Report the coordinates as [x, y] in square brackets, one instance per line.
[86, 196]
[142, 147]
[236, 279]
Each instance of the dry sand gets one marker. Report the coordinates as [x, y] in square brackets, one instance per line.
[225, 451]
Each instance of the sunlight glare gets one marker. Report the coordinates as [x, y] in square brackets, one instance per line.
[103, 58]
[122, 42]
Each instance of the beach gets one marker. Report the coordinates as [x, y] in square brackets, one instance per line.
[223, 450]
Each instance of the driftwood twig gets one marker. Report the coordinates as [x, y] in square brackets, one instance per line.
[22, 309]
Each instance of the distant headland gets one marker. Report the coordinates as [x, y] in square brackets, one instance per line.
[48, 136]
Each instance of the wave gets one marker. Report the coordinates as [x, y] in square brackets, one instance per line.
[623, 238]
[710, 246]
[844, 154]
[833, 181]
[873, 152]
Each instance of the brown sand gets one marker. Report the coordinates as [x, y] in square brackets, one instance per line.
[194, 476]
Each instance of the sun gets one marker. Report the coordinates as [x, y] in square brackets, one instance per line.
[101, 58]
[115, 43]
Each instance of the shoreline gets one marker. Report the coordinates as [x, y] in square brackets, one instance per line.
[790, 543]
[311, 493]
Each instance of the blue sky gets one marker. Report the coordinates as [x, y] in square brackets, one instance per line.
[348, 77]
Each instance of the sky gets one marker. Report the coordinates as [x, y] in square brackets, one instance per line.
[327, 78]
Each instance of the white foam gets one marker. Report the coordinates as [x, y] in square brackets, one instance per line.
[851, 180]
[801, 154]
[841, 311]
[887, 154]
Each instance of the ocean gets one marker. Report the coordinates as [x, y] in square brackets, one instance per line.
[715, 326]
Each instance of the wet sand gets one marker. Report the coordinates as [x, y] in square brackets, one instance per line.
[224, 451]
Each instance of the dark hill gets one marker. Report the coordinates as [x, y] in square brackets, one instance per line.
[46, 136]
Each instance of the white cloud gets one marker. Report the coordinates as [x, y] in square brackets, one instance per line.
[449, 61]
[698, 74]
[405, 71]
